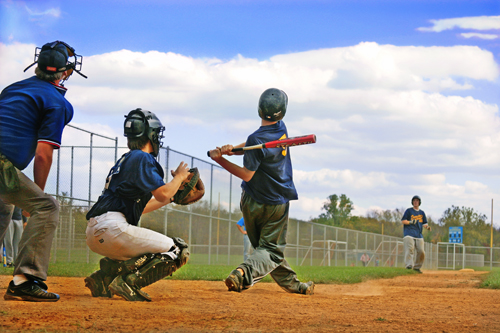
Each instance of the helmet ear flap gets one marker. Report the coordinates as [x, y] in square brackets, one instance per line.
[139, 123]
[135, 124]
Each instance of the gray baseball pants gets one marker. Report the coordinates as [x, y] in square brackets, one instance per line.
[36, 240]
[414, 252]
[11, 240]
[266, 227]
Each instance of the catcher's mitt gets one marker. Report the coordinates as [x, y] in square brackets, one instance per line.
[190, 190]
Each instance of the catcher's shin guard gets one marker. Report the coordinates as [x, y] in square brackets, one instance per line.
[156, 269]
[137, 273]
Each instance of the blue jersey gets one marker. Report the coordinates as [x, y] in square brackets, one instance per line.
[241, 223]
[129, 185]
[414, 230]
[31, 111]
[272, 182]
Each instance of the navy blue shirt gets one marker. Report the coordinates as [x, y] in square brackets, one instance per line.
[414, 230]
[129, 185]
[31, 111]
[272, 182]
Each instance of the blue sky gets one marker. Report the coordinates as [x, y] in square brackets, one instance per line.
[403, 95]
[223, 29]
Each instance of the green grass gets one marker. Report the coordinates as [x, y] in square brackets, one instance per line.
[318, 274]
[492, 280]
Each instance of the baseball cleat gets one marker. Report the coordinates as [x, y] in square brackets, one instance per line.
[96, 285]
[234, 281]
[30, 291]
[183, 256]
[309, 288]
[417, 270]
[120, 288]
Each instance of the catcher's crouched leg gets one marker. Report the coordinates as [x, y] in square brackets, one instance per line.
[148, 269]
[99, 281]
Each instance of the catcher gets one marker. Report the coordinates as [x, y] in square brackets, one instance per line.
[136, 257]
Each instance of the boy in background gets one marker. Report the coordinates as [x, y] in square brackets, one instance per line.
[414, 220]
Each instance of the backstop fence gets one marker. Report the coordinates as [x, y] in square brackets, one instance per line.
[209, 226]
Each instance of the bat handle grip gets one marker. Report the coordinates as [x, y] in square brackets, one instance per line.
[234, 150]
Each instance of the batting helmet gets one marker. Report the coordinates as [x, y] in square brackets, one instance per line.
[272, 104]
[53, 58]
[139, 123]
[416, 197]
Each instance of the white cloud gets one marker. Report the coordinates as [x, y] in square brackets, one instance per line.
[389, 119]
[54, 12]
[478, 35]
[474, 22]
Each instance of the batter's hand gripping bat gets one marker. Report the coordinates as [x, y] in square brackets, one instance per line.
[290, 142]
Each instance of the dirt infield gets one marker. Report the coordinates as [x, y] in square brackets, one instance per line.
[441, 301]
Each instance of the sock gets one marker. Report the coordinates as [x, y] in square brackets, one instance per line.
[173, 252]
[19, 279]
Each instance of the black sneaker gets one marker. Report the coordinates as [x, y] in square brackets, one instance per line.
[417, 270]
[96, 284]
[307, 288]
[234, 281]
[120, 288]
[31, 291]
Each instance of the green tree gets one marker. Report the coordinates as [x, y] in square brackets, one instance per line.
[476, 231]
[337, 210]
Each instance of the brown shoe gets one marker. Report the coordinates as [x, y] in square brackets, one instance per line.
[234, 281]
[307, 288]
[95, 283]
[120, 288]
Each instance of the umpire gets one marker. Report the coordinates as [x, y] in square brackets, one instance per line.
[33, 114]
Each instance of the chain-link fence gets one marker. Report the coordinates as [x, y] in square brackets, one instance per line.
[209, 226]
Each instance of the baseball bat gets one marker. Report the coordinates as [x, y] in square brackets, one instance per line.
[290, 142]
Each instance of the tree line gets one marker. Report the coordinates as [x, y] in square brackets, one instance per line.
[337, 212]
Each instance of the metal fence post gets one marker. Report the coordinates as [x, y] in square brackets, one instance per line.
[324, 247]
[210, 218]
[90, 167]
[230, 220]
[165, 216]
[298, 241]
[312, 240]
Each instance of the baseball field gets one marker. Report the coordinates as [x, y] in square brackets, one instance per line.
[435, 301]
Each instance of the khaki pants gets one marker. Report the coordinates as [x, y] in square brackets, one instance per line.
[414, 252]
[36, 240]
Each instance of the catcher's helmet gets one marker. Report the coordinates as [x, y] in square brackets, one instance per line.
[416, 197]
[272, 104]
[139, 123]
[53, 58]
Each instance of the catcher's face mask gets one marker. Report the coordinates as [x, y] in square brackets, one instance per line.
[53, 58]
[145, 123]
